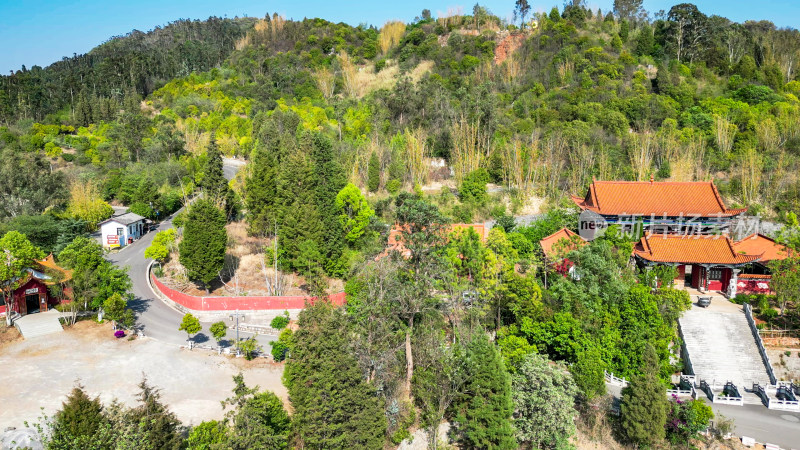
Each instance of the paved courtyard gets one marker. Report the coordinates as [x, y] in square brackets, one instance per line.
[40, 372]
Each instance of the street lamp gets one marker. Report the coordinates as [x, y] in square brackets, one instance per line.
[237, 314]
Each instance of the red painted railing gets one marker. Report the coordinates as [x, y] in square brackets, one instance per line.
[245, 303]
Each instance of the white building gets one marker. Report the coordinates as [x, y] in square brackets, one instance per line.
[119, 231]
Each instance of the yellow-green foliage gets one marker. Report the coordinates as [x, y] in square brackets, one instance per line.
[311, 116]
[86, 204]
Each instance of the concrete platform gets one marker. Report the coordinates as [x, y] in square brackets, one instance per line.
[39, 324]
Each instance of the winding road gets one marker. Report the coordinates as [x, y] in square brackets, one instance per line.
[154, 317]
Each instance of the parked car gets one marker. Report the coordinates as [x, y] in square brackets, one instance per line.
[705, 302]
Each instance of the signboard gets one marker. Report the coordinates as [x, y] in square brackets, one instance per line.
[112, 240]
[32, 291]
[591, 225]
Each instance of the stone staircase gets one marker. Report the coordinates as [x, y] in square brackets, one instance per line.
[721, 347]
[39, 324]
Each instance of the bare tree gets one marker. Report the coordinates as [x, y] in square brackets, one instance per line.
[275, 281]
[230, 273]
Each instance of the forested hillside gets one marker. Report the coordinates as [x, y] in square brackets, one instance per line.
[353, 131]
[136, 61]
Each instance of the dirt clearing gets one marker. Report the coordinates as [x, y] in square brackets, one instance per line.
[40, 372]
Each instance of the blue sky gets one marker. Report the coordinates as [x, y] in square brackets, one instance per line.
[41, 32]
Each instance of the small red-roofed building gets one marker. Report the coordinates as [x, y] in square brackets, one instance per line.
[35, 291]
[558, 244]
[756, 277]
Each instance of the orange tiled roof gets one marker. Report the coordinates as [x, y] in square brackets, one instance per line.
[548, 242]
[659, 198]
[395, 242]
[50, 263]
[694, 249]
[758, 243]
[479, 228]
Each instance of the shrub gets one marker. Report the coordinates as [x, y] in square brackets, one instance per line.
[283, 345]
[393, 186]
[473, 187]
[280, 322]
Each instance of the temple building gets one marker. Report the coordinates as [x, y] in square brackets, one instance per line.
[662, 207]
[42, 287]
[682, 224]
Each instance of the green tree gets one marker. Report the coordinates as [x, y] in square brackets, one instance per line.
[280, 322]
[219, 330]
[190, 325]
[644, 406]
[628, 9]
[261, 189]
[521, 10]
[214, 183]
[334, 407]
[42, 230]
[374, 173]
[329, 179]
[78, 422]
[261, 422]
[248, 347]
[544, 399]
[299, 217]
[115, 306]
[94, 279]
[484, 410]
[283, 345]
[162, 244]
[154, 426]
[473, 187]
[86, 204]
[202, 250]
[17, 254]
[207, 435]
[354, 212]
[785, 281]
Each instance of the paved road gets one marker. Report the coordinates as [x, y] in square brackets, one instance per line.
[765, 425]
[756, 421]
[154, 317]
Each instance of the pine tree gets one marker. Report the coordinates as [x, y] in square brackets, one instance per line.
[214, 184]
[154, 426]
[334, 407]
[79, 419]
[261, 191]
[484, 411]
[202, 250]
[644, 406]
[329, 179]
[374, 173]
[298, 215]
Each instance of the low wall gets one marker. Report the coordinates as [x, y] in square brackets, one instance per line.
[748, 312]
[221, 304]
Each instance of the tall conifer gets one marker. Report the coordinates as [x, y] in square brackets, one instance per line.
[261, 190]
[334, 407]
[644, 406]
[329, 179]
[484, 411]
[214, 183]
[202, 250]
[374, 173]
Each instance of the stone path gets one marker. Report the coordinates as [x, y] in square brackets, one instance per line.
[721, 346]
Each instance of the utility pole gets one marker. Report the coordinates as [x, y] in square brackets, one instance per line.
[237, 314]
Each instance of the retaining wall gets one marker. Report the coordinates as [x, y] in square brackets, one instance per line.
[245, 303]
